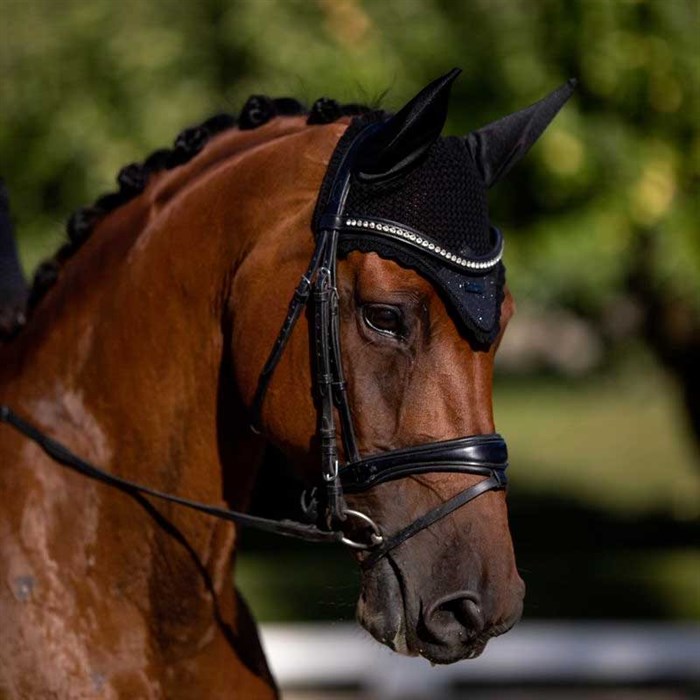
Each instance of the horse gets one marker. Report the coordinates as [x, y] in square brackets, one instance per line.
[160, 355]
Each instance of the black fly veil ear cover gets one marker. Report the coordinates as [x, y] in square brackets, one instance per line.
[419, 199]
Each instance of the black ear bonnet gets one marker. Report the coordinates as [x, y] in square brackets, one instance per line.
[420, 199]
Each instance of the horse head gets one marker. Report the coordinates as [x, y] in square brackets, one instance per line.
[377, 387]
[420, 297]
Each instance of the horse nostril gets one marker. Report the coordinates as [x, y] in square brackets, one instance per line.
[466, 611]
[458, 614]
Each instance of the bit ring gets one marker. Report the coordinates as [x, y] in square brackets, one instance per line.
[376, 537]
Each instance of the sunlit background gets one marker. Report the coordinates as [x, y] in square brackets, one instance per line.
[598, 389]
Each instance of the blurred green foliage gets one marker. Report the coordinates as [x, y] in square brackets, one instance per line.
[88, 87]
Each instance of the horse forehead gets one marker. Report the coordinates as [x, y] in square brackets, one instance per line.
[379, 275]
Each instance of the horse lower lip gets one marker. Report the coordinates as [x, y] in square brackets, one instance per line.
[477, 648]
[440, 655]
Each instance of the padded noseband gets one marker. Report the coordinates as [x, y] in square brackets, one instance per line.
[478, 454]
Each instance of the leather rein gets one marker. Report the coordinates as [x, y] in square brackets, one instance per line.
[482, 455]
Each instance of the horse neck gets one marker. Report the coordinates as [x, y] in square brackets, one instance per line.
[134, 334]
[124, 362]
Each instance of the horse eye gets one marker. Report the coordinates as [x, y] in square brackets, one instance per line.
[384, 319]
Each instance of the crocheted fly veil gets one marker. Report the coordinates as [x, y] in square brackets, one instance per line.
[420, 199]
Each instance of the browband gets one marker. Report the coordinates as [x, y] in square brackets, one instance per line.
[404, 234]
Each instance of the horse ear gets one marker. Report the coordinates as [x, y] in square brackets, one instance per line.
[498, 146]
[404, 137]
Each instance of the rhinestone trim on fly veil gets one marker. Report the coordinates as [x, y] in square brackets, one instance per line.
[427, 245]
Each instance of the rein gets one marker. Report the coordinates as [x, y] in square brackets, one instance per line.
[61, 454]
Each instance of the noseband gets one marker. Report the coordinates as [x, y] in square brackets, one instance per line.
[480, 455]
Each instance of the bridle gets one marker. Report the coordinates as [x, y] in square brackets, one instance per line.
[481, 455]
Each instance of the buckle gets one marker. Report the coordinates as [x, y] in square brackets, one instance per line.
[309, 504]
[303, 290]
[332, 474]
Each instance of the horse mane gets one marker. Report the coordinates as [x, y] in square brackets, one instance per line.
[133, 178]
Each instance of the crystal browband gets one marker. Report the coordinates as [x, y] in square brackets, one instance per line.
[411, 237]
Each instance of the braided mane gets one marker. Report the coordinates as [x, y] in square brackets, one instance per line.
[133, 178]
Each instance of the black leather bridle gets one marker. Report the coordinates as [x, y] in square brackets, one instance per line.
[482, 455]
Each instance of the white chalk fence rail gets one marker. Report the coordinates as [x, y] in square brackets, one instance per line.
[327, 656]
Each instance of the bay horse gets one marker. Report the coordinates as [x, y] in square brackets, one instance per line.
[146, 358]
